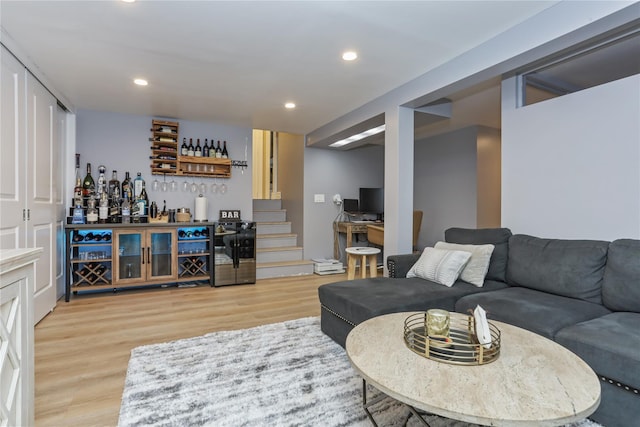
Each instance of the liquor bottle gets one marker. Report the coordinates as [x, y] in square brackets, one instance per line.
[103, 209]
[77, 190]
[198, 150]
[205, 149]
[127, 187]
[114, 210]
[225, 153]
[102, 182]
[88, 185]
[114, 184]
[218, 151]
[126, 209]
[143, 201]
[184, 149]
[190, 149]
[138, 185]
[92, 212]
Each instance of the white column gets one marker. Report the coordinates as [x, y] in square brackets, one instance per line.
[398, 181]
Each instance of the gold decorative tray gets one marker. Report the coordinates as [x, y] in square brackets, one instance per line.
[461, 347]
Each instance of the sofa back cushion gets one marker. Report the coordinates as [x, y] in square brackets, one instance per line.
[571, 268]
[499, 237]
[621, 286]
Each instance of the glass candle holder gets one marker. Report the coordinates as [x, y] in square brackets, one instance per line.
[437, 323]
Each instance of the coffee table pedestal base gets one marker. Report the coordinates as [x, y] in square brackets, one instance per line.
[366, 404]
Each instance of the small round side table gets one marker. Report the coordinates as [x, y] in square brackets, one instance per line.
[365, 253]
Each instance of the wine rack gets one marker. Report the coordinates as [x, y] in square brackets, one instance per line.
[91, 260]
[193, 253]
[164, 147]
[93, 273]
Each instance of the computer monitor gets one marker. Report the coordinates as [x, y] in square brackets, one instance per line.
[372, 201]
[350, 206]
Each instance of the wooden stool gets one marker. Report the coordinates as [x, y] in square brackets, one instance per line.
[365, 252]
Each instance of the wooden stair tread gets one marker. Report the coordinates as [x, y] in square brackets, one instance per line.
[279, 248]
[283, 263]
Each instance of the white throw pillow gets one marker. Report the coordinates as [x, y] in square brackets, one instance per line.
[476, 269]
[439, 265]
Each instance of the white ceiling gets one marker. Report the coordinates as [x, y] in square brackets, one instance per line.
[237, 62]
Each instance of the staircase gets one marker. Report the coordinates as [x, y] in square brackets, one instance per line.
[277, 253]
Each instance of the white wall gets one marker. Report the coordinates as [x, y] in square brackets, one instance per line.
[121, 142]
[329, 172]
[571, 165]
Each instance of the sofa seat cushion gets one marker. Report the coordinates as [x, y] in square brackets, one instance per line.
[362, 299]
[571, 268]
[536, 311]
[609, 344]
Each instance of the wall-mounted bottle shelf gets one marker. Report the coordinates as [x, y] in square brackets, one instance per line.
[166, 160]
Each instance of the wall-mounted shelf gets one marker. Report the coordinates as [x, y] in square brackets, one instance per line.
[166, 160]
[204, 167]
[164, 147]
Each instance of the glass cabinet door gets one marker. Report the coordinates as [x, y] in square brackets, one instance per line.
[160, 257]
[129, 256]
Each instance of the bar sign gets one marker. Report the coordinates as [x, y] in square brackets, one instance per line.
[230, 214]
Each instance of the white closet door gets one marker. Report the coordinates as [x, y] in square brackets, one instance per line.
[12, 153]
[41, 192]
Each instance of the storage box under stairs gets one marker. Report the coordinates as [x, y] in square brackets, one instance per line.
[277, 253]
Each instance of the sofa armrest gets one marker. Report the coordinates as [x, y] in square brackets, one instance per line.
[399, 265]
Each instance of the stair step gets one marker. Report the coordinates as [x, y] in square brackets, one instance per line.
[288, 253]
[273, 227]
[278, 215]
[282, 240]
[264, 204]
[268, 270]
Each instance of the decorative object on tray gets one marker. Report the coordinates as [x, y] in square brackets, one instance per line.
[437, 324]
[460, 347]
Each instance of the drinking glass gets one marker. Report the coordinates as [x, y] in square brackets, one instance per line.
[203, 188]
[223, 188]
[194, 187]
[174, 185]
[214, 187]
[155, 184]
[185, 186]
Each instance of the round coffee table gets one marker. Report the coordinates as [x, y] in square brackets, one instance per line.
[534, 382]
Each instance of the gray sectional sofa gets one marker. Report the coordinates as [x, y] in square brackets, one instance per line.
[583, 294]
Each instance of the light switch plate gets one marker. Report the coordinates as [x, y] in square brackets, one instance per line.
[318, 198]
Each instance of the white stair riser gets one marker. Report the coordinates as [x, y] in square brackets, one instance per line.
[276, 242]
[284, 271]
[267, 205]
[265, 228]
[269, 216]
[277, 256]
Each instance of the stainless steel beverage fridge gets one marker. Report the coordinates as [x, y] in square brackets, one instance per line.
[235, 253]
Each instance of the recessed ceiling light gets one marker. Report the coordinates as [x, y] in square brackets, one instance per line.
[128, 1]
[290, 105]
[141, 82]
[349, 55]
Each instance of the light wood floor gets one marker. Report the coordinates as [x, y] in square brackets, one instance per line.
[82, 348]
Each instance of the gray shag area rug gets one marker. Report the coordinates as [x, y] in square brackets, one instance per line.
[283, 374]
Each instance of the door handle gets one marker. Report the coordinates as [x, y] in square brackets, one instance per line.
[148, 255]
[142, 250]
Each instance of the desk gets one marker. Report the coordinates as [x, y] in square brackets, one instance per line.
[348, 228]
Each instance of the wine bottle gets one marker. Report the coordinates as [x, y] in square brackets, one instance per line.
[196, 233]
[225, 153]
[114, 184]
[184, 149]
[198, 150]
[77, 237]
[127, 187]
[218, 151]
[205, 149]
[88, 185]
[106, 237]
[212, 150]
[190, 149]
[181, 234]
